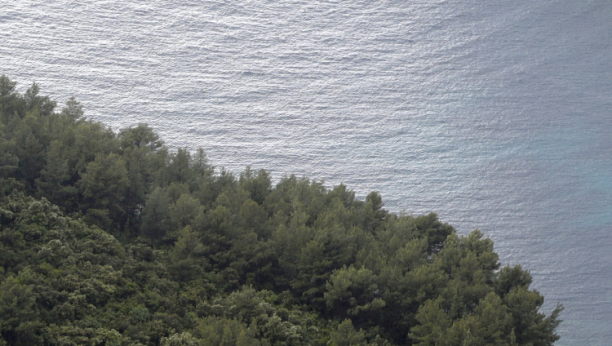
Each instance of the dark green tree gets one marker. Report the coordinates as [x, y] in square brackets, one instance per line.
[103, 185]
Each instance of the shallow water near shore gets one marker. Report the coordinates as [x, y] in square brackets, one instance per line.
[496, 115]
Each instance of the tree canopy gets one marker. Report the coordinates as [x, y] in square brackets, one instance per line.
[112, 238]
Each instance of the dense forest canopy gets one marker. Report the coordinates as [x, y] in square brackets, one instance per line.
[111, 238]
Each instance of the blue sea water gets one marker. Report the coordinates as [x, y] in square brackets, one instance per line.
[494, 114]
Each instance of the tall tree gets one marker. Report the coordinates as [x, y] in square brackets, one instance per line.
[103, 185]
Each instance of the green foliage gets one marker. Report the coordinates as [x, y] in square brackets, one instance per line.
[113, 239]
[103, 185]
[214, 331]
[184, 211]
[346, 335]
[156, 221]
[73, 336]
[257, 185]
[188, 257]
[18, 312]
[183, 339]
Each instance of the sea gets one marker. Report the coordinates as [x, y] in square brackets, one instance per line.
[496, 115]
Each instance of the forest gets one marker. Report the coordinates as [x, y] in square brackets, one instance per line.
[113, 238]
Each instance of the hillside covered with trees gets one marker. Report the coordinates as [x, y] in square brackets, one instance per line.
[111, 238]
